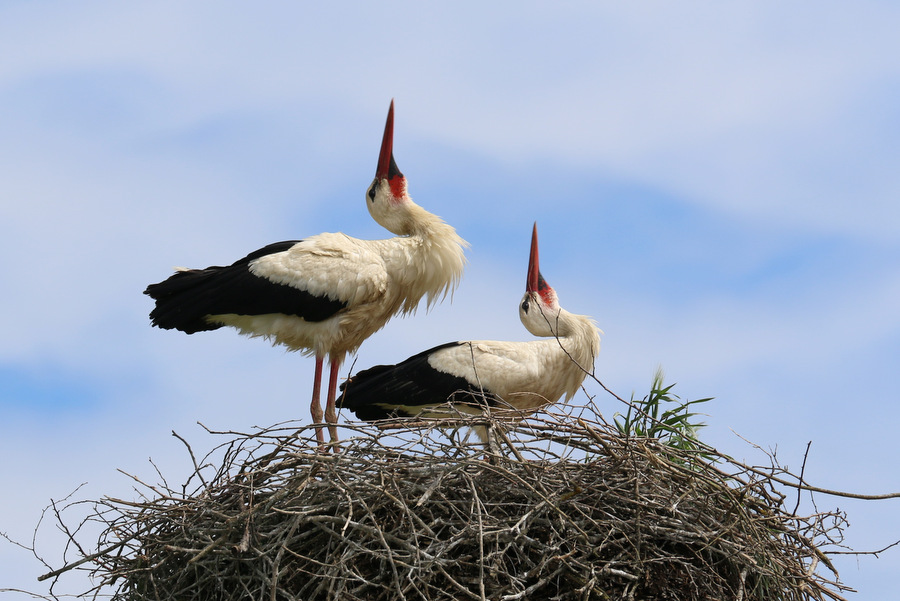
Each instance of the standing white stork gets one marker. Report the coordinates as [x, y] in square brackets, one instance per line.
[462, 376]
[326, 294]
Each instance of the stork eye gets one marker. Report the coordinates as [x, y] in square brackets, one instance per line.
[371, 192]
[525, 306]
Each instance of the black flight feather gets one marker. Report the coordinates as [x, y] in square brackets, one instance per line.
[407, 388]
[187, 298]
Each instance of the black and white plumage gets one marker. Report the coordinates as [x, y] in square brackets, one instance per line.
[517, 376]
[326, 294]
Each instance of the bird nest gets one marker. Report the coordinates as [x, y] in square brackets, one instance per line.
[559, 507]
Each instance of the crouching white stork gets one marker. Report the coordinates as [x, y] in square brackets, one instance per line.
[463, 376]
[326, 294]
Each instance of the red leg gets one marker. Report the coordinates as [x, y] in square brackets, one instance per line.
[330, 411]
[316, 408]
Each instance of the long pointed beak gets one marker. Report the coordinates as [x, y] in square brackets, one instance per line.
[533, 281]
[386, 158]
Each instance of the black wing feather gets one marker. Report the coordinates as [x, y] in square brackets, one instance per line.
[407, 388]
[185, 299]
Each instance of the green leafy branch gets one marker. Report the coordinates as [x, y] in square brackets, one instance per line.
[662, 415]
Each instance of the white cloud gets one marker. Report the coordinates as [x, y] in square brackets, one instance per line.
[220, 130]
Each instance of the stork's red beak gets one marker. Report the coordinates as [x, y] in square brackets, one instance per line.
[387, 168]
[534, 279]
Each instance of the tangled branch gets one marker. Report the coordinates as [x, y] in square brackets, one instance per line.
[560, 508]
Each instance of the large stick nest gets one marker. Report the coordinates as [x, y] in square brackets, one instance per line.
[560, 508]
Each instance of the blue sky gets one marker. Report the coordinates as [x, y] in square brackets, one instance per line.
[716, 184]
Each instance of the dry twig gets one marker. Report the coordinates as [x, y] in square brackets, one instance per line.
[569, 510]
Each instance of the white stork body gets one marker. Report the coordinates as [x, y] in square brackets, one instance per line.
[518, 376]
[326, 294]
[373, 280]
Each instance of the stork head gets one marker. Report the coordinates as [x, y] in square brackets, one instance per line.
[388, 190]
[539, 309]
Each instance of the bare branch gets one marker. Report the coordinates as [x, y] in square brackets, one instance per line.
[566, 507]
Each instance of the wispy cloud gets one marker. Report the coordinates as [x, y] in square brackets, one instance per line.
[716, 185]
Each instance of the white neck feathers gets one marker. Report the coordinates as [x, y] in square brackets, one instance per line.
[428, 262]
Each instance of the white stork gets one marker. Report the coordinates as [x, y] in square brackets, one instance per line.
[463, 376]
[326, 294]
